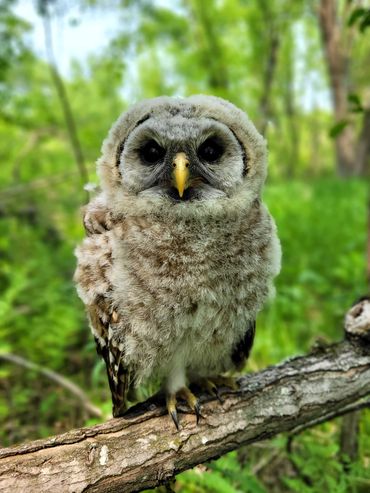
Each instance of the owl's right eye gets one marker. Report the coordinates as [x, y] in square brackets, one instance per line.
[210, 150]
[152, 152]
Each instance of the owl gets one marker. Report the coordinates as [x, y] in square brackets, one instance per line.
[180, 253]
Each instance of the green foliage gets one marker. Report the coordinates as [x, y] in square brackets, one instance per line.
[356, 104]
[12, 45]
[226, 475]
[360, 17]
[338, 128]
[323, 264]
[313, 452]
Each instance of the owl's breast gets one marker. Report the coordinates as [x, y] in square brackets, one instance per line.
[178, 282]
[182, 264]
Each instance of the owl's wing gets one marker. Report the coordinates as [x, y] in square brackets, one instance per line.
[97, 217]
[241, 351]
[102, 320]
[93, 277]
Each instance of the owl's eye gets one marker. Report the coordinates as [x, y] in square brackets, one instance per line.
[152, 152]
[210, 150]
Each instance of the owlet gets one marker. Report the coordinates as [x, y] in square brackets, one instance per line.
[180, 252]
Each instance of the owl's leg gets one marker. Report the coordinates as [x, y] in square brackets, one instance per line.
[176, 389]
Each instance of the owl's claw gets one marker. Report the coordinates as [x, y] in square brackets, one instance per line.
[228, 382]
[171, 408]
[212, 385]
[185, 394]
[197, 411]
[175, 419]
[209, 386]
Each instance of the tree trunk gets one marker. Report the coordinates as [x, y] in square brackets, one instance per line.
[265, 101]
[363, 147]
[218, 79]
[62, 94]
[368, 240]
[338, 64]
[349, 438]
[272, 36]
[290, 112]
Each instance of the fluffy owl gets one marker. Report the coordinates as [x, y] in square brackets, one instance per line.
[180, 252]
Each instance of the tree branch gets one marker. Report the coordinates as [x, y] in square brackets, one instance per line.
[56, 378]
[143, 448]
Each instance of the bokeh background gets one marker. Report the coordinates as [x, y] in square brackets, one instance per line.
[301, 70]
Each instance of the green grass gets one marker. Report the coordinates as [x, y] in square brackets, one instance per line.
[322, 227]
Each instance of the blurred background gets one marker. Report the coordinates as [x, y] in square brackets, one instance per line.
[301, 70]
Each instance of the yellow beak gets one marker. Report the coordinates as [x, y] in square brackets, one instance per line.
[181, 172]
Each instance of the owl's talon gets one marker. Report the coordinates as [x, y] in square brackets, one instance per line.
[192, 401]
[197, 411]
[213, 390]
[218, 396]
[185, 394]
[212, 385]
[175, 419]
[228, 382]
[171, 408]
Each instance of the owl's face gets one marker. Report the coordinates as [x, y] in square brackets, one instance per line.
[183, 149]
[182, 158]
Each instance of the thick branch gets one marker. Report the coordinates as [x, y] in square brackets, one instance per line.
[143, 449]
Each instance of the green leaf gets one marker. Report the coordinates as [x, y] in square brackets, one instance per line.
[355, 103]
[355, 99]
[338, 128]
[356, 15]
[365, 23]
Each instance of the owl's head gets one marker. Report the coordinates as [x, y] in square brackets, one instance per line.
[184, 150]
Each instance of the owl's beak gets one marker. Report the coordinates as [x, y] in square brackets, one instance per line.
[180, 172]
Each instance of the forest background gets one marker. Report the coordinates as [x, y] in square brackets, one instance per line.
[301, 70]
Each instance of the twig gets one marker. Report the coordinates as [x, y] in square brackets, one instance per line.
[57, 378]
[265, 461]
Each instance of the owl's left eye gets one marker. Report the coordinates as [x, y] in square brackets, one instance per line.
[152, 152]
[210, 150]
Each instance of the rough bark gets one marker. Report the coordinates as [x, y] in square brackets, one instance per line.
[143, 449]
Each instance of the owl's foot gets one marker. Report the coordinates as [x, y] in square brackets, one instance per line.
[212, 385]
[184, 394]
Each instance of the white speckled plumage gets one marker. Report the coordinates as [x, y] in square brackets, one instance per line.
[183, 279]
